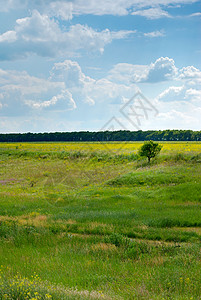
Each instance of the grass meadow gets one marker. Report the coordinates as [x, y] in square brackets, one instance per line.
[96, 221]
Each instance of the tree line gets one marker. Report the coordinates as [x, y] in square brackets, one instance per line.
[103, 136]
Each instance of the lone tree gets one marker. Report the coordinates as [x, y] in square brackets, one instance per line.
[150, 149]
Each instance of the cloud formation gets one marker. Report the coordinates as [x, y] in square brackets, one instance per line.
[190, 72]
[152, 13]
[154, 34]
[61, 10]
[38, 34]
[190, 90]
[86, 88]
[187, 80]
[19, 91]
[197, 14]
[66, 9]
[61, 102]
[66, 89]
[163, 69]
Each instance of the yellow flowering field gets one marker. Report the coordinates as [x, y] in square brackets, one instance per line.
[122, 147]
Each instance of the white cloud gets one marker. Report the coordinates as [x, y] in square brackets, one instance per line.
[189, 72]
[63, 8]
[63, 101]
[162, 69]
[26, 84]
[71, 74]
[67, 88]
[41, 35]
[5, 6]
[128, 73]
[154, 34]
[60, 9]
[191, 77]
[88, 89]
[118, 7]
[19, 91]
[197, 14]
[9, 36]
[69, 91]
[173, 93]
[193, 94]
[37, 28]
[152, 13]
[186, 92]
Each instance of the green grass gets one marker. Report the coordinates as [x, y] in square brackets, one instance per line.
[94, 224]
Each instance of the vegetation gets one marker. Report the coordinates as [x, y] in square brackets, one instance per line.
[101, 136]
[96, 221]
[150, 150]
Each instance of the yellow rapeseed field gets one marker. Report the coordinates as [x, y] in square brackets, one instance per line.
[122, 147]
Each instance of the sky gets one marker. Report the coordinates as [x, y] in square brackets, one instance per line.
[91, 65]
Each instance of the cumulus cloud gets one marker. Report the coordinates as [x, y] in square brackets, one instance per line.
[19, 91]
[88, 89]
[189, 72]
[67, 89]
[173, 93]
[162, 69]
[71, 74]
[60, 102]
[187, 79]
[9, 36]
[189, 91]
[128, 73]
[41, 35]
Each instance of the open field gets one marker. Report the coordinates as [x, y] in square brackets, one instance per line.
[93, 220]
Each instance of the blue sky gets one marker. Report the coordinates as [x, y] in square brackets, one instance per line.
[74, 65]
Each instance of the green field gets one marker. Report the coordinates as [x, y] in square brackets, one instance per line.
[95, 221]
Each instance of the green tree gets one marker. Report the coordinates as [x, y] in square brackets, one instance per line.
[150, 149]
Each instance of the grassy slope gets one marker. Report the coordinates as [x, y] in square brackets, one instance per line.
[103, 223]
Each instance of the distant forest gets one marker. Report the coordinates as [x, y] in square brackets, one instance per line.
[104, 136]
